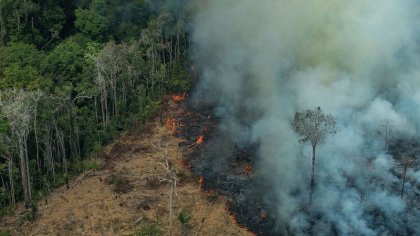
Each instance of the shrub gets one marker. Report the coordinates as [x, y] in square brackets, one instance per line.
[117, 179]
[184, 216]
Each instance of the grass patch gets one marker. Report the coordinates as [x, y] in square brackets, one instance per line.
[117, 179]
[5, 232]
[93, 164]
[120, 182]
[149, 228]
[6, 211]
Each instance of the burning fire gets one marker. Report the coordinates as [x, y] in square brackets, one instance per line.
[178, 97]
[200, 139]
[201, 182]
[180, 140]
[171, 124]
[211, 194]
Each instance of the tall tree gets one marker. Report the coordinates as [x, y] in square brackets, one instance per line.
[313, 126]
[17, 107]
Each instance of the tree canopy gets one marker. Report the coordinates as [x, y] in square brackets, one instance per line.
[73, 74]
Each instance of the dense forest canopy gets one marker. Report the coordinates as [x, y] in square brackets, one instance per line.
[72, 74]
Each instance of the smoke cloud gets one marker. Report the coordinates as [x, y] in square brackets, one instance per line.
[262, 61]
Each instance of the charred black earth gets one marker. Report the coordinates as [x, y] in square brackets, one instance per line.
[224, 167]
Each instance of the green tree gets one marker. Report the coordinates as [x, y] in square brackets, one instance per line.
[91, 23]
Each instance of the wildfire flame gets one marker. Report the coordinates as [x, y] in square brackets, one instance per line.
[171, 125]
[181, 140]
[200, 139]
[201, 182]
[177, 98]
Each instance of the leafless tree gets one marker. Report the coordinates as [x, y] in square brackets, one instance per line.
[109, 63]
[313, 126]
[36, 96]
[113, 57]
[17, 108]
[102, 88]
[404, 163]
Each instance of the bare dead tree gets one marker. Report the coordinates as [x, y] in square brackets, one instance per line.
[47, 151]
[113, 58]
[17, 108]
[109, 63]
[403, 164]
[313, 126]
[102, 88]
[36, 96]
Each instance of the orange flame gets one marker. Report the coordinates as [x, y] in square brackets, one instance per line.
[211, 193]
[180, 140]
[200, 139]
[178, 97]
[171, 124]
[201, 182]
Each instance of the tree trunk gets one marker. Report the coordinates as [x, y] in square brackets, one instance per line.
[60, 146]
[3, 183]
[105, 100]
[17, 18]
[177, 45]
[48, 152]
[36, 140]
[114, 95]
[25, 143]
[171, 212]
[313, 174]
[171, 63]
[78, 142]
[96, 107]
[24, 172]
[124, 97]
[25, 11]
[3, 31]
[12, 184]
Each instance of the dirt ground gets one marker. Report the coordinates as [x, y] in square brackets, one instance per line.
[127, 195]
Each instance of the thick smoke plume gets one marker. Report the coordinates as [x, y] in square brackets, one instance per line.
[262, 61]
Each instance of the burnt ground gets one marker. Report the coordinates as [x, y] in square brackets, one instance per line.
[231, 177]
[406, 153]
[234, 177]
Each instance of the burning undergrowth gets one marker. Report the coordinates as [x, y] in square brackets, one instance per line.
[228, 169]
[197, 132]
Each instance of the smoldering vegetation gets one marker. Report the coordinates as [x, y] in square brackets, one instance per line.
[260, 62]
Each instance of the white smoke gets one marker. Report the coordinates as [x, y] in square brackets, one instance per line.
[261, 61]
